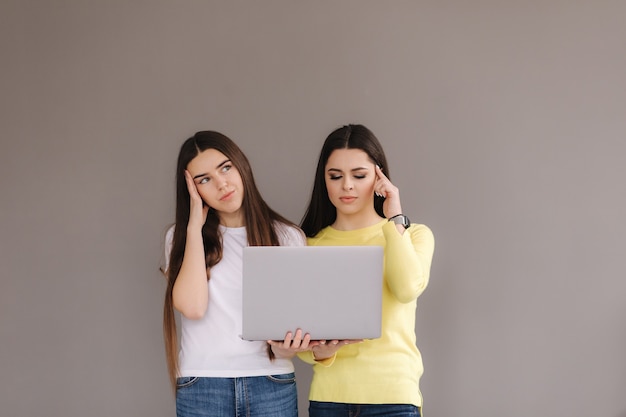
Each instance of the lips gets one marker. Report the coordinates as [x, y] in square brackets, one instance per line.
[227, 196]
[347, 199]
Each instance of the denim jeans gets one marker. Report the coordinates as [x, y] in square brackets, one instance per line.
[323, 409]
[259, 396]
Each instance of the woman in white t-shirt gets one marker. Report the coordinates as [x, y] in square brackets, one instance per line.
[219, 211]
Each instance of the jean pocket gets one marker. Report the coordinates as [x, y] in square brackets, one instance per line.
[283, 378]
[186, 381]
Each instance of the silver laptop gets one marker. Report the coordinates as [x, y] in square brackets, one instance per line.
[331, 292]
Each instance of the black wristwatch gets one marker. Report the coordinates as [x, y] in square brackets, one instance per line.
[401, 219]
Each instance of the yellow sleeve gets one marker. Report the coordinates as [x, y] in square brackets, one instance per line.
[407, 260]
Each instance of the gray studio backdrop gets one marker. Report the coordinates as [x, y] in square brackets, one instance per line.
[504, 124]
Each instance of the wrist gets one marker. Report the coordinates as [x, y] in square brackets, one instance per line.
[400, 220]
[280, 352]
[193, 227]
[320, 357]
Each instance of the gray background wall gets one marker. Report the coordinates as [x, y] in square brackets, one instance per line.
[505, 130]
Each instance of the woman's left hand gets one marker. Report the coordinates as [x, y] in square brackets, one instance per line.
[292, 344]
[385, 188]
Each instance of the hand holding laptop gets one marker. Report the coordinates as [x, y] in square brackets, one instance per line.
[293, 343]
[324, 350]
[301, 342]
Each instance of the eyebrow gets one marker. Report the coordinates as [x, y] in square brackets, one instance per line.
[352, 170]
[218, 167]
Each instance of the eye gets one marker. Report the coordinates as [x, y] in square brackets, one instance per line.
[360, 176]
[226, 168]
[334, 177]
[204, 180]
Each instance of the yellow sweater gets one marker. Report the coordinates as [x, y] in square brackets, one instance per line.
[385, 370]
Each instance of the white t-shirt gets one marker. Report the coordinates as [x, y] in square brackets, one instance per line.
[212, 346]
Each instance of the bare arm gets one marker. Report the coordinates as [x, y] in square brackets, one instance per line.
[190, 292]
[385, 188]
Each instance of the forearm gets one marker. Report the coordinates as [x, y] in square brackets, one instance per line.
[190, 292]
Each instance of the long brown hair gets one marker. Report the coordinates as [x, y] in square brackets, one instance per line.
[321, 212]
[259, 220]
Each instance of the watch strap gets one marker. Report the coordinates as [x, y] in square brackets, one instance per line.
[401, 219]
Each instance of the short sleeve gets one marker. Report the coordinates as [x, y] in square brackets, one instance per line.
[168, 242]
[290, 235]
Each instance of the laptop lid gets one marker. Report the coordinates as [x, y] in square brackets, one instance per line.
[332, 292]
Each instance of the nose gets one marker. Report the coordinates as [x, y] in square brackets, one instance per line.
[221, 184]
[347, 184]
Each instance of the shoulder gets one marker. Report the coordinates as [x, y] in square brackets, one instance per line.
[289, 235]
[420, 229]
[421, 234]
[319, 238]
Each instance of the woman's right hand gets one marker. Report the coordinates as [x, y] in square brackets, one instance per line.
[292, 344]
[198, 209]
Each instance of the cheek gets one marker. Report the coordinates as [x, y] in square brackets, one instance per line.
[331, 188]
[369, 186]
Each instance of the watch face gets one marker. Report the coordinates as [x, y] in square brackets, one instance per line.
[403, 220]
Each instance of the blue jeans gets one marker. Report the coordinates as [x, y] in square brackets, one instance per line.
[258, 396]
[323, 409]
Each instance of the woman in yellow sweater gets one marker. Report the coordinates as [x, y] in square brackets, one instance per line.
[354, 203]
